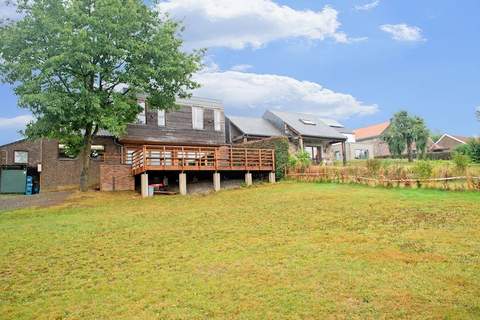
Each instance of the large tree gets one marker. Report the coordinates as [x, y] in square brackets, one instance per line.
[80, 65]
[405, 131]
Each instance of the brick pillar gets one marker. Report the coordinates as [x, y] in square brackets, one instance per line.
[182, 183]
[144, 182]
[248, 179]
[216, 181]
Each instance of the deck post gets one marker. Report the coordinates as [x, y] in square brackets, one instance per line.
[144, 184]
[271, 177]
[182, 183]
[216, 181]
[248, 179]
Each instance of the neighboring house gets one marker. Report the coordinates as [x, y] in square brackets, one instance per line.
[189, 138]
[324, 139]
[448, 143]
[372, 135]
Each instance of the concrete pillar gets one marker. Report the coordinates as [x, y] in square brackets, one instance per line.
[216, 181]
[248, 179]
[182, 183]
[144, 185]
[271, 177]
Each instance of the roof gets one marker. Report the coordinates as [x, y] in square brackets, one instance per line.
[344, 130]
[373, 131]
[298, 122]
[255, 126]
[331, 122]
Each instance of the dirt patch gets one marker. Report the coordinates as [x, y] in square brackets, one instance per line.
[45, 199]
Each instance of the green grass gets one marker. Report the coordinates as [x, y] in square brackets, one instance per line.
[291, 250]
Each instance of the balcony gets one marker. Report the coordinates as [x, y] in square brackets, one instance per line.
[185, 158]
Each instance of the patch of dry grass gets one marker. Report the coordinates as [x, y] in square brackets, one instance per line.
[291, 250]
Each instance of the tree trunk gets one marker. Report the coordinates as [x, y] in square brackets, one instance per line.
[85, 160]
[409, 152]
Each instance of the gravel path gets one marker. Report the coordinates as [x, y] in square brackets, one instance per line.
[45, 199]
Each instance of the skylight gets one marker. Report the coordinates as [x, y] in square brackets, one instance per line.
[308, 122]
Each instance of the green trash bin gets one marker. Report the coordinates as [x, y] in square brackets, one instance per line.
[13, 179]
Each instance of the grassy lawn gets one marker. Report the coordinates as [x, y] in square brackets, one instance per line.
[291, 250]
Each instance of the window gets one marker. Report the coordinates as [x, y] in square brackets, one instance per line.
[161, 118]
[141, 118]
[20, 156]
[217, 116]
[308, 122]
[338, 155]
[197, 118]
[97, 152]
[361, 154]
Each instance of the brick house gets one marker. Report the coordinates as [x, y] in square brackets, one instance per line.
[161, 144]
[448, 143]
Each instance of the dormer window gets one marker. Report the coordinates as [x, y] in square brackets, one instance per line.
[308, 122]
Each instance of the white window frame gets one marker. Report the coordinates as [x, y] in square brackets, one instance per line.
[161, 119]
[198, 115]
[15, 152]
[217, 120]
[141, 117]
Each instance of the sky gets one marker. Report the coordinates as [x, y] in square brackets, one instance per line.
[357, 61]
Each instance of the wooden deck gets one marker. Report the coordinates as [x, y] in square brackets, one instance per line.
[185, 158]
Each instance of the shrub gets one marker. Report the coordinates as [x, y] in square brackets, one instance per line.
[423, 169]
[292, 161]
[373, 166]
[471, 149]
[303, 159]
[461, 162]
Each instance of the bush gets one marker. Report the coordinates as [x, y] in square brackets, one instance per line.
[303, 159]
[423, 169]
[461, 162]
[471, 149]
[373, 166]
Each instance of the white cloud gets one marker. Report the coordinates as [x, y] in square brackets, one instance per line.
[403, 32]
[241, 90]
[17, 122]
[368, 6]
[250, 23]
[241, 67]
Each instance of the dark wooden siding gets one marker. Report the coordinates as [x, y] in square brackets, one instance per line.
[178, 129]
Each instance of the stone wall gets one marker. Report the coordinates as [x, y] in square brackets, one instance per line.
[116, 178]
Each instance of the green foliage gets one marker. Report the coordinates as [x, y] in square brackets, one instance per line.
[292, 161]
[461, 161]
[423, 169]
[471, 149]
[373, 166]
[403, 132]
[281, 156]
[474, 147]
[80, 65]
[303, 158]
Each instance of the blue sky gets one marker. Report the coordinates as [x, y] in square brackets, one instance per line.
[357, 61]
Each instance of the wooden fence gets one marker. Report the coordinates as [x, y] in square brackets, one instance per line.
[401, 178]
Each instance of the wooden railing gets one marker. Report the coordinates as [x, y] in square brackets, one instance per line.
[184, 158]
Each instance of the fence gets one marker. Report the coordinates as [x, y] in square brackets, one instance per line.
[395, 177]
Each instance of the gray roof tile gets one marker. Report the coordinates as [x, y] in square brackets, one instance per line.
[255, 126]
